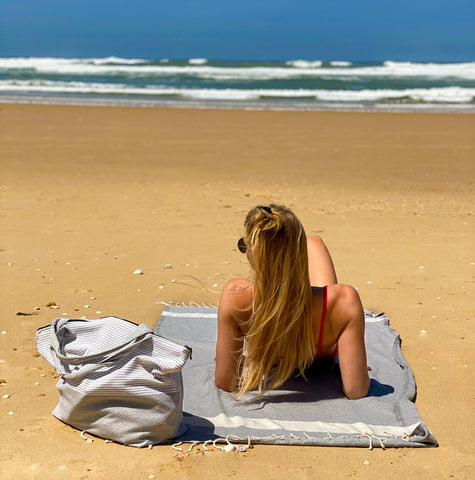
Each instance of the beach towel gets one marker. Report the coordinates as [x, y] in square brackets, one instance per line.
[300, 412]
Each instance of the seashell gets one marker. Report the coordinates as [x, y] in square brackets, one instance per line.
[167, 266]
[229, 448]
[138, 272]
[3, 381]
[37, 308]
[87, 440]
[6, 396]
[51, 304]
[4, 332]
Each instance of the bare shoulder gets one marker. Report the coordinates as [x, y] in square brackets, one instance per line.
[344, 305]
[237, 284]
[236, 299]
[238, 292]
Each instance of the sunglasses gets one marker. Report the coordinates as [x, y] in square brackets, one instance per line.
[242, 245]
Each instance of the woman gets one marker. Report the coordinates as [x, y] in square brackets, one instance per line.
[290, 312]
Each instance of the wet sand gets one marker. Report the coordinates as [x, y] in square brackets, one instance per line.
[90, 194]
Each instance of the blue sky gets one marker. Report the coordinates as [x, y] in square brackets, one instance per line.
[416, 30]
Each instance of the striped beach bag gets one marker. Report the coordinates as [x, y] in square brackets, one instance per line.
[118, 380]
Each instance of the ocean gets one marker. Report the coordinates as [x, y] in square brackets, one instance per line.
[202, 83]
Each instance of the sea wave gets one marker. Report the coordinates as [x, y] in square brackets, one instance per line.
[116, 61]
[304, 63]
[197, 61]
[433, 95]
[137, 68]
[340, 63]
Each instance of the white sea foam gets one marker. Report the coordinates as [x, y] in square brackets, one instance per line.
[197, 61]
[460, 70]
[340, 63]
[116, 60]
[304, 63]
[136, 68]
[437, 95]
[443, 95]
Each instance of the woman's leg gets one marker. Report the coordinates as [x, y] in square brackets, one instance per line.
[320, 264]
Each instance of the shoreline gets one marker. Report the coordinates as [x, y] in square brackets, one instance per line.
[257, 105]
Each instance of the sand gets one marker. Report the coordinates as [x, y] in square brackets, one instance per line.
[90, 194]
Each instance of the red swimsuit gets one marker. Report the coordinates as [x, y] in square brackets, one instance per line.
[322, 325]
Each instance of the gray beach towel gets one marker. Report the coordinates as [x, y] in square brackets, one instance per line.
[313, 412]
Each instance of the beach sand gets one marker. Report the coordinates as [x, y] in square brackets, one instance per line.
[89, 194]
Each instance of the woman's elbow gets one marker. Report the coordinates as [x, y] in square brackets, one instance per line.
[223, 383]
[223, 386]
[355, 395]
[357, 391]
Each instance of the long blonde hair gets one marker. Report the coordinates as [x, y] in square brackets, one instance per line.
[280, 337]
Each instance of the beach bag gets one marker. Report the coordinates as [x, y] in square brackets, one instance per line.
[118, 380]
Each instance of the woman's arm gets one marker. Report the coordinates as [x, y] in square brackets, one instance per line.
[233, 310]
[351, 347]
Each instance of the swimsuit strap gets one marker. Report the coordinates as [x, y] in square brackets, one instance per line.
[322, 322]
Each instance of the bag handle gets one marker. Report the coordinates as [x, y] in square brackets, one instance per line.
[140, 335]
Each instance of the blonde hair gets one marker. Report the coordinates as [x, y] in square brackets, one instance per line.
[280, 336]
